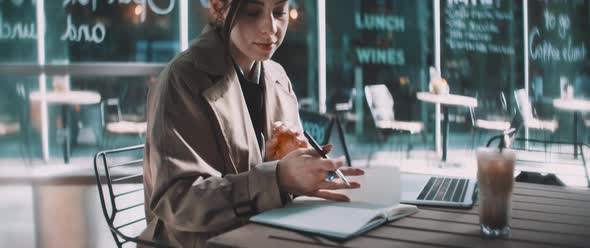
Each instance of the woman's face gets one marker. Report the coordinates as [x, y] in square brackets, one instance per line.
[259, 28]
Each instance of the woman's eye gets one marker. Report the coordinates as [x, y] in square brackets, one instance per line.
[279, 13]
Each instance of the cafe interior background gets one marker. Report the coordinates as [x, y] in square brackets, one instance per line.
[113, 50]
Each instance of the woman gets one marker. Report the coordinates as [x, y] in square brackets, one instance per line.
[207, 118]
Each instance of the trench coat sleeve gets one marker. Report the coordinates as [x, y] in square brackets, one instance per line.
[189, 189]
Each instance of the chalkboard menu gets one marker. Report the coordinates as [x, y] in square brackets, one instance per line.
[111, 30]
[481, 46]
[558, 46]
[18, 31]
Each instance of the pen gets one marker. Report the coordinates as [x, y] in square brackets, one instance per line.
[317, 147]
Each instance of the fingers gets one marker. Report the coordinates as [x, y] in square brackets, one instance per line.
[271, 148]
[285, 128]
[337, 184]
[329, 164]
[276, 124]
[272, 143]
[327, 148]
[331, 196]
[305, 151]
[301, 142]
[348, 171]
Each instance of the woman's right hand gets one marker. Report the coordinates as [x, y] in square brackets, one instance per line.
[304, 172]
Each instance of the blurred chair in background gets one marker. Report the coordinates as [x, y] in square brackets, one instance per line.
[114, 124]
[341, 103]
[488, 117]
[318, 125]
[381, 106]
[17, 126]
[529, 115]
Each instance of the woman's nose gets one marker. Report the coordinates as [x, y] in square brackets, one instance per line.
[269, 25]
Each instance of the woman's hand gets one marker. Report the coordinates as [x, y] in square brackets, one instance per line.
[284, 139]
[304, 172]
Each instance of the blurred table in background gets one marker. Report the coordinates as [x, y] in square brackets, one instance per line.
[444, 101]
[576, 106]
[65, 99]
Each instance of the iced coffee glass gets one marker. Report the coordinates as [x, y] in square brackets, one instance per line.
[495, 170]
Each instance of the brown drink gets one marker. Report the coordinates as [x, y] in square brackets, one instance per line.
[495, 173]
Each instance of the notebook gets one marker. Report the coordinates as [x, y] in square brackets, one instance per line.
[376, 202]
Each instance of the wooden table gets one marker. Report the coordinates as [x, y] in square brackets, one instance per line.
[576, 106]
[444, 101]
[542, 216]
[66, 99]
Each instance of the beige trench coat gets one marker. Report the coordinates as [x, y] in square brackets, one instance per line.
[202, 158]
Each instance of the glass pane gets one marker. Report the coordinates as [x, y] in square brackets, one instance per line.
[18, 32]
[122, 31]
[558, 48]
[481, 50]
[198, 17]
[18, 141]
[298, 53]
[378, 42]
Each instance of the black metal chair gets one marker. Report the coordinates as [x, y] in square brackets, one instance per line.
[326, 129]
[119, 178]
[317, 125]
[530, 156]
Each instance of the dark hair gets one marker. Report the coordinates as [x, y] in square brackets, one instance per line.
[226, 24]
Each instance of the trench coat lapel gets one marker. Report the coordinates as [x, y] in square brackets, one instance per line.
[231, 114]
[281, 104]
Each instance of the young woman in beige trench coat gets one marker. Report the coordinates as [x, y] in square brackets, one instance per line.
[204, 171]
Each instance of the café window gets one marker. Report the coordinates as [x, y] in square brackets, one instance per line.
[298, 52]
[378, 42]
[482, 53]
[111, 31]
[558, 47]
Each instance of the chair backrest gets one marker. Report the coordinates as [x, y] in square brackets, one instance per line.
[525, 108]
[475, 114]
[504, 102]
[380, 102]
[110, 107]
[508, 135]
[317, 125]
[337, 139]
[119, 178]
[343, 99]
[326, 129]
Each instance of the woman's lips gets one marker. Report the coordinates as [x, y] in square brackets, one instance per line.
[267, 47]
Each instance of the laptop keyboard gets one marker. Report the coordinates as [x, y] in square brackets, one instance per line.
[444, 189]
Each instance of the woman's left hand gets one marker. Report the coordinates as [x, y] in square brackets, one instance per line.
[284, 140]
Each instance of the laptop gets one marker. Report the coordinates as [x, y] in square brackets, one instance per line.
[442, 191]
[418, 189]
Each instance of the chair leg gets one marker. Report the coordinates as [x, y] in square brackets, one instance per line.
[478, 135]
[400, 147]
[410, 145]
[369, 158]
[473, 138]
[373, 148]
[425, 144]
